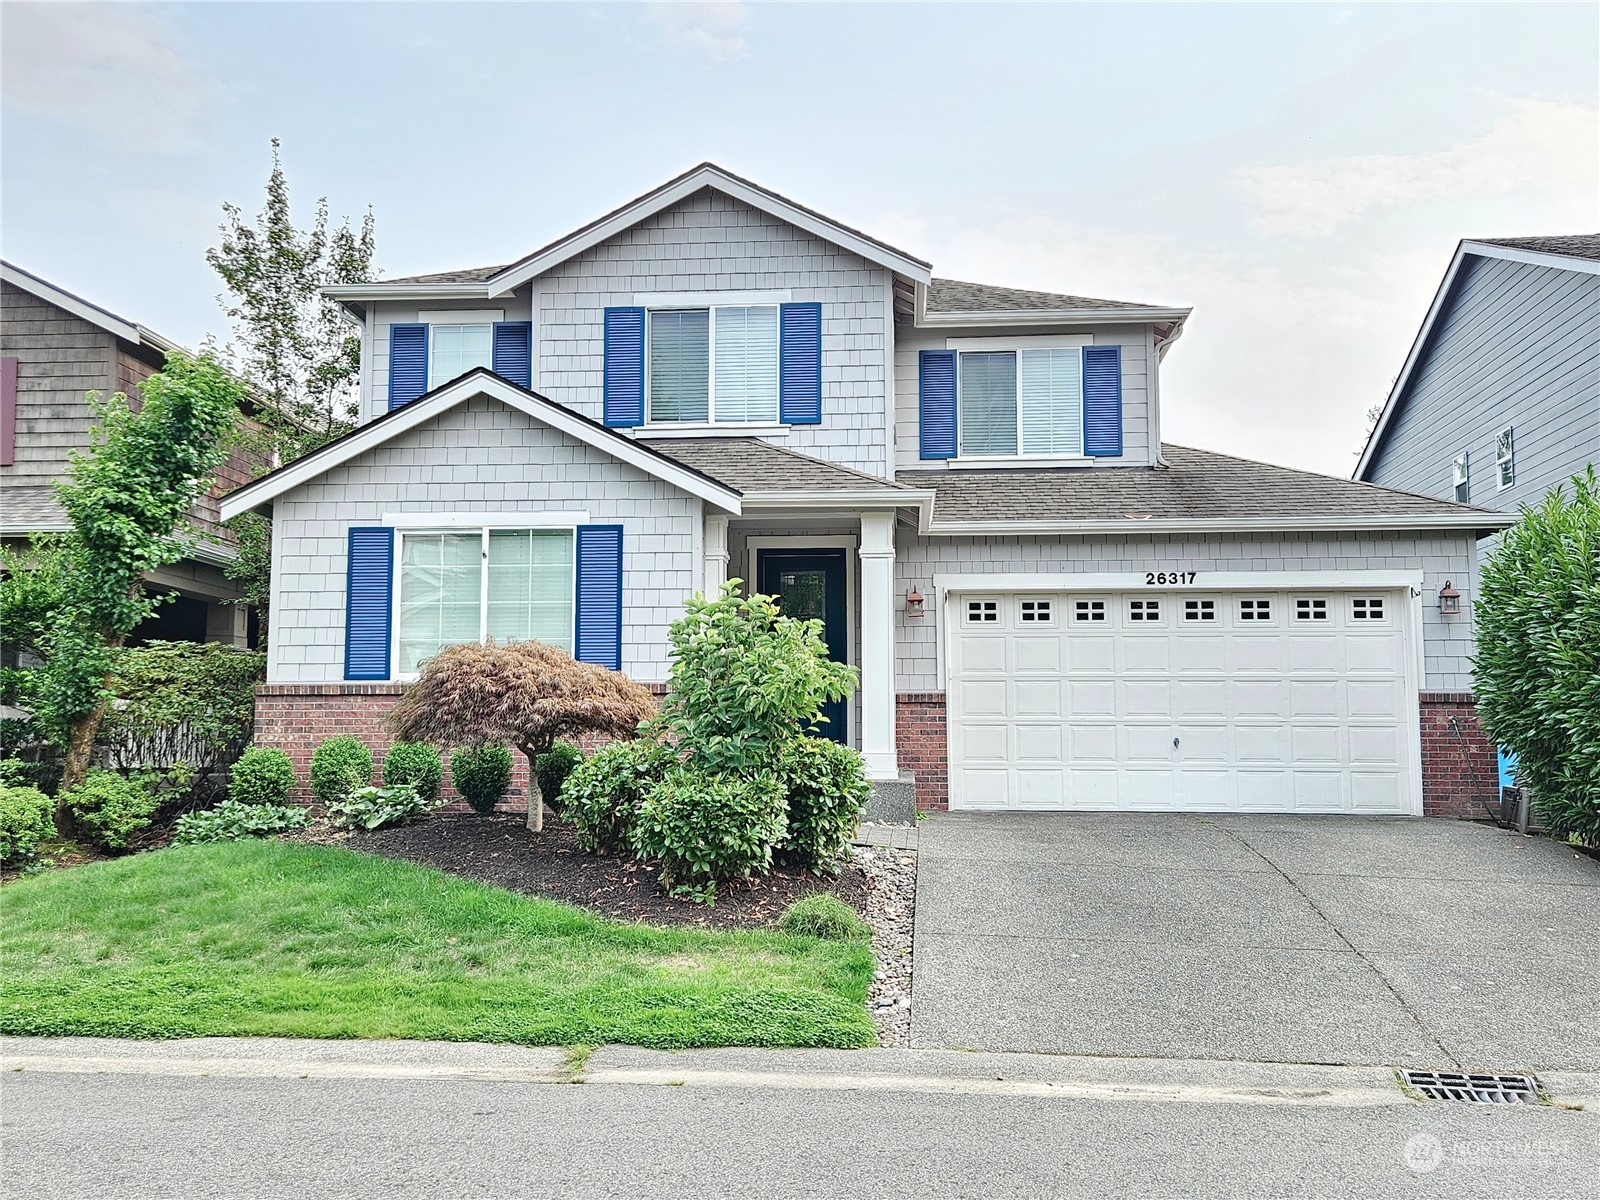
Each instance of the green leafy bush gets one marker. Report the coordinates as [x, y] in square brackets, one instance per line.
[482, 775]
[824, 916]
[1537, 669]
[374, 807]
[554, 766]
[261, 776]
[232, 819]
[111, 809]
[339, 767]
[26, 819]
[745, 681]
[417, 764]
[603, 794]
[827, 788]
[180, 702]
[707, 828]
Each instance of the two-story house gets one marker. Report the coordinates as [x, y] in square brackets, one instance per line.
[966, 484]
[56, 348]
[1499, 398]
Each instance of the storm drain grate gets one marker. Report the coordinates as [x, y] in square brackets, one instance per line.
[1473, 1089]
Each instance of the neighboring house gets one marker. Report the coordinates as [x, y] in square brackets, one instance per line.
[1499, 399]
[55, 348]
[1049, 608]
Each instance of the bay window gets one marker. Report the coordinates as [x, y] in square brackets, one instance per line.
[713, 365]
[474, 584]
[1027, 401]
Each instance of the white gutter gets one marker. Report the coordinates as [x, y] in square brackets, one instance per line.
[1133, 525]
[920, 499]
[1063, 316]
[405, 291]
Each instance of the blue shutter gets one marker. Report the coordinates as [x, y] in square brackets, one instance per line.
[513, 352]
[624, 366]
[408, 363]
[1102, 401]
[367, 609]
[936, 384]
[599, 624]
[800, 364]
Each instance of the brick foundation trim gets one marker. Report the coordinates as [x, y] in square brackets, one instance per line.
[1460, 771]
[922, 747]
[298, 717]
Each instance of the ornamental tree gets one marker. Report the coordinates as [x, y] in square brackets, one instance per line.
[1537, 668]
[524, 693]
[126, 502]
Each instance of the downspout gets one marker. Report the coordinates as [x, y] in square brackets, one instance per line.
[1158, 347]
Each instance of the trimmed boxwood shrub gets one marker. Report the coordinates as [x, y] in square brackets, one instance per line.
[709, 828]
[824, 916]
[261, 776]
[338, 767]
[827, 789]
[231, 820]
[1536, 673]
[26, 820]
[603, 794]
[482, 775]
[416, 764]
[110, 809]
[554, 767]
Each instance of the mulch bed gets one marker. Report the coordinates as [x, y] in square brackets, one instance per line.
[501, 851]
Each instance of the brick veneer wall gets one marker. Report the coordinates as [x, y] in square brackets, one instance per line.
[922, 748]
[1460, 773]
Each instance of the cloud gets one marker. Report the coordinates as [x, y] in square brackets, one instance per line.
[108, 68]
[709, 31]
[1539, 145]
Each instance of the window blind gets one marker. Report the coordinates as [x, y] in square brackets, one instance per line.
[747, 364]
[988, 403]
[440, 580]
[680, 365]
[1052, 402]
[530, 586]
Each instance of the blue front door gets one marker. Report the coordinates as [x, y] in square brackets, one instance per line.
[810, 584]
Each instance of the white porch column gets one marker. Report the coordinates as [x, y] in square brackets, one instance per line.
[877, 645]
[716, 552]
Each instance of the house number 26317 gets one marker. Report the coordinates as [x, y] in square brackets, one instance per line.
[1152, 578]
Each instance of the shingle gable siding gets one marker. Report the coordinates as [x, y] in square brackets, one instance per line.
[480, 456]
[1518, 345]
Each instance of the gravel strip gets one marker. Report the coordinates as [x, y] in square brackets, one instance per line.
[890, 906]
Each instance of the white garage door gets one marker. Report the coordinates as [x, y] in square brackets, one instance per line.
[1233, 701]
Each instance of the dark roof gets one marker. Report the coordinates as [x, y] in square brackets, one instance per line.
[748, 464]
[466, 275]
[32, 508]
[1572, 245]
[953, 295]
[1199, 485]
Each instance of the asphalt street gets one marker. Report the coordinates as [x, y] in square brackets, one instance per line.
[220, 1117]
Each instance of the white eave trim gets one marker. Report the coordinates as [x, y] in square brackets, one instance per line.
[406, 291]
[866, 498]
[1436, 309]
[681, 189]
[479, 382]
[1065, 316]
[1205, 581]
[1127, 526]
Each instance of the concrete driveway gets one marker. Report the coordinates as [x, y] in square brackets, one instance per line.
[1401, 941]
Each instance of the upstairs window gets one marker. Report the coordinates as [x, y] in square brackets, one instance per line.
[716, 365]
[456, 349]
[1460, 479]
[1505, 460]
[1021, 401]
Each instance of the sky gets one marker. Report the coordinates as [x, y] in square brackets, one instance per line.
[1298, 174]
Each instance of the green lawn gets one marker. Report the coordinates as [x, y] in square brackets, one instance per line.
[268, 938]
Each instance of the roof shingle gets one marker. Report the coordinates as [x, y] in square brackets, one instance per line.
[749, 465]
[1573, 245]
[1199, 485]
[954, 295]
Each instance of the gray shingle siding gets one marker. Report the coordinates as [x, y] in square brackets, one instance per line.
[1518, 345]
[479, 456]
[1447, 642]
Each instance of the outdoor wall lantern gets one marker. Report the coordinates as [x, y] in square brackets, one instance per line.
[914, 603]
[1449, 600]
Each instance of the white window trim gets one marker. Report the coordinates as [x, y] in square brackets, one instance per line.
[441, 524]
[748, 428]
[459, 316]
[1508, 459]
[710, 299]
[454, 522]
[1015, 346]
[1461, 476]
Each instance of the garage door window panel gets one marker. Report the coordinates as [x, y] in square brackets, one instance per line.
[1367, 610]
[1089, 611]
[1036, 612]
[1200, 610]
[983, 612]
[1311, 608]
[1144, 611]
